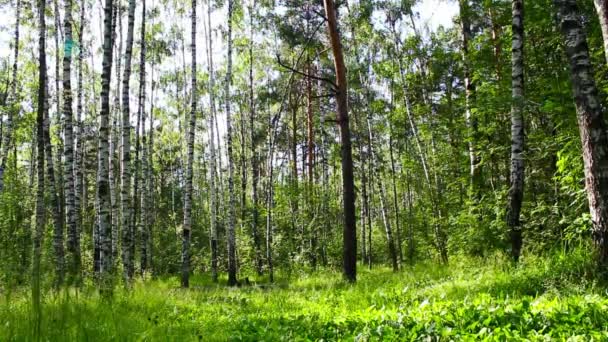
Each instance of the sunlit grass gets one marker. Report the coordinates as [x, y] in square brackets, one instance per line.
[542, 298]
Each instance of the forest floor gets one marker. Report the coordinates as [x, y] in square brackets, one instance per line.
[540, 299]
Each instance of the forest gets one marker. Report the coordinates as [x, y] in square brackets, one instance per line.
[303, 170]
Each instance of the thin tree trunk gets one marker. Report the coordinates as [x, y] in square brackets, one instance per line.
[471, 121]
[231, 215]
[516, 192]
[270, 202]
[375, 160]
[590, 120]
[78, 134]
[350, 224]
[117, 16]
[103, 186]
[73, 241]
[150, 176]
[59, 38]
[213, 199]
[188, 181]
[255, 169]
[125, 176]
[601, 6]
[40, 208]
[12, 100]
[58, 240]
[395, 198]
[141, 119]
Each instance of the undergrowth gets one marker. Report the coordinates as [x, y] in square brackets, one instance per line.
[552, 298]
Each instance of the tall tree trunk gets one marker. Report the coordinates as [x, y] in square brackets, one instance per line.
[516, 192]
[601, 6]
[59, 37]
[590, 120]
[255, 169]
[125, 174]
[348, 187]
[294, 198]
[103, 185]
[78, 134]
[190, 159]
[40, 208]
[395, 198]
[364, 205]
[471, 120]
[213, 202]
[58, 222]
[231, 215]
[375, 160]
[12, 101]
[270, 202]
[73, 241]
[150, 175]
[141, 113]
[310, 154]
[114, 113]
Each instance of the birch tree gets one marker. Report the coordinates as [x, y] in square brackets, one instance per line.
[591, 123]
[125, 176]
[231, 215]
[516, 192]
[601, 6]
[190, 131]
[103, 186]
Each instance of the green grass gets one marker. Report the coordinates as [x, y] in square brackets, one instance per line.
[553, 298]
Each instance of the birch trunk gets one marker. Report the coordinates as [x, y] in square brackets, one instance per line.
[58, 241]
[125, 176]
[255, 169]
[73, 241]
[139, 195]
[40, 208]
[516, 192]
[7, 132]
[601, 6]
[213, 200]
[78, 136]
[103, 185]
[375, 160]
[231, 215]
[590, 120]
[471, 120]
[190, 159]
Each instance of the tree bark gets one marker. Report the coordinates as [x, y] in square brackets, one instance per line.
[590, 120]
[141, 119]
[12, 101]
[213, 202]
[103, 186]
[471, 120]
[40, 208]
[58, 223]
[73, 241]
[349, 251]
[601, 6]
[255, 168]
[375, 160]
[232, 280]
[516, 191]
[190, 159]
[78, 136]
[125, 174]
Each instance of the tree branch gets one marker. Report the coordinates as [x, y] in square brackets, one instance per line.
[327, 80]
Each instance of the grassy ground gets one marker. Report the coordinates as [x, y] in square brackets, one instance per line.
[541, 299]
